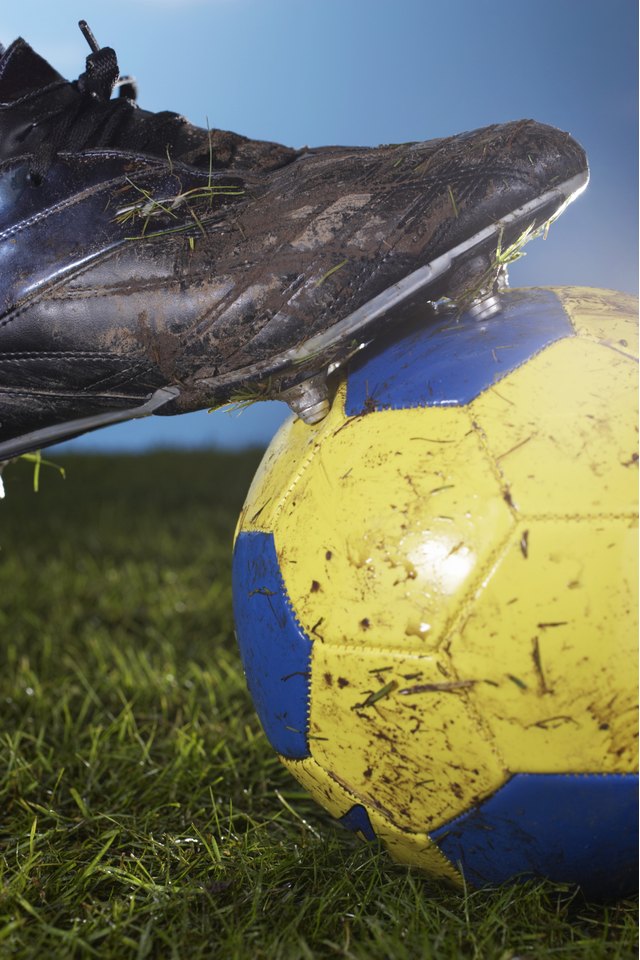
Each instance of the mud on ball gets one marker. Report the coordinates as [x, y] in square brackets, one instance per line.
[435, 593]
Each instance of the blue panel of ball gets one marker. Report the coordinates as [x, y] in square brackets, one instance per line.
[357, 820]
[275, 651]
[449, 361]
[570, 828]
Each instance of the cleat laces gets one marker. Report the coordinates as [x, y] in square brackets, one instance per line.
[95, 119]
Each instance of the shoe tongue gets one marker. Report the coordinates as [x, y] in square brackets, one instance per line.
[24, 71]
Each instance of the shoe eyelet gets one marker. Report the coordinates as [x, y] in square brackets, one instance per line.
[34, 178]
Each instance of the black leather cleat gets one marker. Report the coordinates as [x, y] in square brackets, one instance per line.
[150, 266]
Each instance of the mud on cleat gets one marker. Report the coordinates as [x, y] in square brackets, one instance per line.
[154, 267]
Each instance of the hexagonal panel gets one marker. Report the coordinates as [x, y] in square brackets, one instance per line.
[289, 452]
[562, 430]
[549, 648]
[605, 315]
[413, 848]
[387, 527]
[397, 733]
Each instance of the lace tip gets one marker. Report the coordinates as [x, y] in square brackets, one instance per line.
[88, 35]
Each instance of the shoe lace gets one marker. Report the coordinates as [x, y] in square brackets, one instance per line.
[94, 118]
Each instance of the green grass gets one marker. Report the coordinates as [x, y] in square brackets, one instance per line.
[199, 202]
[143, 812]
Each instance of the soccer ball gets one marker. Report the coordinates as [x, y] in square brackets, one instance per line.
[435, 593]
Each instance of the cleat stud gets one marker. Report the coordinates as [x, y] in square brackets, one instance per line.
[474, 287]
[485, 307]
[308, 400]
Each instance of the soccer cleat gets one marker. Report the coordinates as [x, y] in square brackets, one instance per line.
[151, 266]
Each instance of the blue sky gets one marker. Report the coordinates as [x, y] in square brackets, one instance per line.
[375, 71]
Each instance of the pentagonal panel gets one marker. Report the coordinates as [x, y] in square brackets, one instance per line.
[449, 360]
[384, 531]
[562, 430]
[570, 829]
[275, 651]
[548, 647]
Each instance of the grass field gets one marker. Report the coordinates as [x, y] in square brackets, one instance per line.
[143, 812]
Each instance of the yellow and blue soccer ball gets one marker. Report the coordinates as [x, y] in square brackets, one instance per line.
[435, 594]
